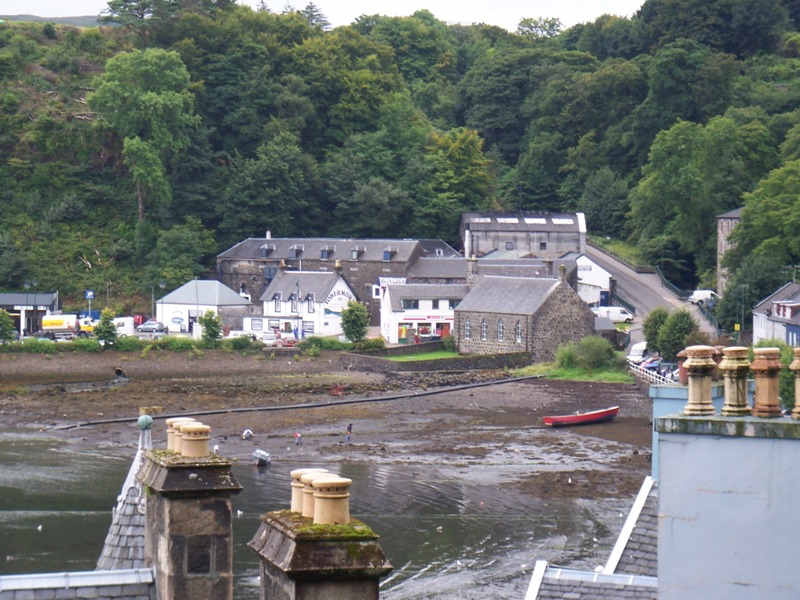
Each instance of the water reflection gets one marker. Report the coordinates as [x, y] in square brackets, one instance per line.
[448, 536]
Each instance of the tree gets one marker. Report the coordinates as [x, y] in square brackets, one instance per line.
[144, 96]
[105, 330]
[594, 352]
[539, 28]
[314, 16]
[652, 325]
[212, 327]
[355, 321]
[674, 334]
[7, 330]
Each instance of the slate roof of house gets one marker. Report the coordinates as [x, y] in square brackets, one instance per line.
[522, 267]
[317, 284]
[736, 213]
[124, 544]
[523, 221]
[338, 248]
[790, 291]
[206, 292]
[507, 295]
[439, 268]
[630, 571]
[425, 291]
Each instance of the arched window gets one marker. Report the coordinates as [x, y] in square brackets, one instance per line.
[467, 330]
[501, 334]
[518, 333]
[484, 330]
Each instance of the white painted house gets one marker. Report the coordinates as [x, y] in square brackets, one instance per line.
[424, 310]
[304, 303]
[180, 309]
[593, 280]
[777, 317]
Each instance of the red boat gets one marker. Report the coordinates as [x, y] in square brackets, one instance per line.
[579, 418]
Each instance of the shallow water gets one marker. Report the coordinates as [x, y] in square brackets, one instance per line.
[449, 533]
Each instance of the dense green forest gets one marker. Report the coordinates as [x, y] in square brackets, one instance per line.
[135, 151]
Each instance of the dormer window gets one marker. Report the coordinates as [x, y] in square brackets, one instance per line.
[265, 250]
[277, 300]
[388, 253]
[326, 253]
[295, 251]
[356, 251]
[310, 303]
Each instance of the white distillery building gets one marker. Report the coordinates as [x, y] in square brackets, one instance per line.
[304, 303]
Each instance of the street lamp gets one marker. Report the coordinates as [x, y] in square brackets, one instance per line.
[162, 285]
[24, 327]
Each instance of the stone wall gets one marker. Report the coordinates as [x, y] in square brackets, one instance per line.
[563, 317]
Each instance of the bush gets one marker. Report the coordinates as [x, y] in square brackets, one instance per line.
[241, 343]
[567, 356]
[129, 344]
[652, 326]
[87, 345]
[174, 343]
[39, 346]
[369, 344]
[594, 352]
[449, 343]
[674, 334]
[325, 343]
[355, 321]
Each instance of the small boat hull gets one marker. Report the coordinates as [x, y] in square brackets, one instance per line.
[595, 416]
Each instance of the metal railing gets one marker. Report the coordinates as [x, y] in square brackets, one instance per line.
[682, 294]
[650, 376]
[623, 303]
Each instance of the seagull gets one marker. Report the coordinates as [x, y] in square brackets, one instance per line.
[569, 480]
[439, 529]
[39, 528]
[598, 569]
[216, 448]
[239, 513]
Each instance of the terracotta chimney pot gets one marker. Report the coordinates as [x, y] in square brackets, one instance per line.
[766, 368]
[308, 492]
[195, 438]
[173, 425]
[331, 500]
[735, 368]
[297, 487]
[699, 364]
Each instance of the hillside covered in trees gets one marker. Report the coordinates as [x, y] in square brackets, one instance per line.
[135, 151]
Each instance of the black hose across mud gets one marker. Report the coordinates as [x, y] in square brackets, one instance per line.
[342, 402]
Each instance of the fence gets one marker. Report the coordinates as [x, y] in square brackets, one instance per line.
[649, 376]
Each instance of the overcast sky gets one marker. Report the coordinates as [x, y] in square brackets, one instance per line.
[343, 12]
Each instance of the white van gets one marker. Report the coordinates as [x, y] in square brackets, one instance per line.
[637, 353]
[702, 297]
[617, 314]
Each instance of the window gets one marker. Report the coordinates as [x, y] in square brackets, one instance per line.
[310, 303]
[484, 330]
[410, 304]
[518, 333]
[325, 253]
[453, 303]
[467, 330]
[509, 245]
[501, 334]
[387, 255]
[542, 245]
[293, 299]
[277, 299]
[257, 324]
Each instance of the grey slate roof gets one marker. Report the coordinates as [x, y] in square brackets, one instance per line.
[790, 291]
[439, 268]
[640, 555]
[204, 292]
[17, 298]
[523, 221]
[338, 248]
[567, 584]
[736, 213]
[317, 284]
[522, 267]
[424, 291]
[508, 295]
[127, 584]
[124, 543]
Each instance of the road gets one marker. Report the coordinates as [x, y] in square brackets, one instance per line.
[645, 292]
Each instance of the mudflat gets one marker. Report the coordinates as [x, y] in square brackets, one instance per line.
[489, 426]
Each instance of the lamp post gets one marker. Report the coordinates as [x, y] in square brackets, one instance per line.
[35, 308]
[24, 326]
[162, 285]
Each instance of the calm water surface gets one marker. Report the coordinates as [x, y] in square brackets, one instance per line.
[447, 536]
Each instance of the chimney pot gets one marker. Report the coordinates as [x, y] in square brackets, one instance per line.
[297, 487]
[795, 368]
[173, 427]
[766, 368]
[331, 500]
[735, 368]
[194, 439]
[699, 364]
[308, 492]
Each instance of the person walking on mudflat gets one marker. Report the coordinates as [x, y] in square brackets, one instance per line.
[349, 433]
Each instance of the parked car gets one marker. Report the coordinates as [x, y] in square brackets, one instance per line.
[652, 364]
[704, 297]
[151, 327]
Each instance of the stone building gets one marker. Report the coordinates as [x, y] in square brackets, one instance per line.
[522, 234]
[725, 224]
[366, 264]
[509, 314]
